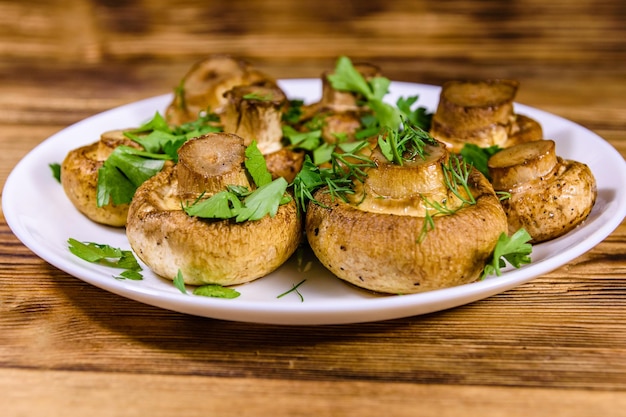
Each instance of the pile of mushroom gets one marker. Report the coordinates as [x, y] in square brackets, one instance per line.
[222, 252]
[404, 227]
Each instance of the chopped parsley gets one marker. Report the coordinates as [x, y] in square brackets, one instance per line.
[107, 256]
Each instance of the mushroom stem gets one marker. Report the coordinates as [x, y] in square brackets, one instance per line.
[210, 163]
[520, 164]
[410, 189]
[479, 112]
[255, 113]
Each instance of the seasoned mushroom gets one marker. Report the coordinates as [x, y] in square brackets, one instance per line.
[255, 114]
[549, 196]
[220, 252]
[204, 85]
[383, 240]
[481, 113]
[79, 177]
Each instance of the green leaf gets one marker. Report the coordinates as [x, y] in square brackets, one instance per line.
[303, 140]
[478, 157]
[107, 256]
[418, 117]
[130, 274]
[263, 201]
[223, 205]
[157, 122]
[514, 249]
[179, 282]
[56, 170]
[216, 291]
[294, 111]
[256, 165]
[125, 170]
[323, 153]
[347, 78]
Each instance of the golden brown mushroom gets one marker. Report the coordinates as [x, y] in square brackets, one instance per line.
[383, 239]
[481, 113]
[203, 87]
[221, 252]
[79, 177]
[549, 195]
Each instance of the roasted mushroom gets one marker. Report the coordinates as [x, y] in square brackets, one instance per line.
[79, 177]
[406, 231]
[481, 113]
[549, 195]
[203, 87]
[214, 251]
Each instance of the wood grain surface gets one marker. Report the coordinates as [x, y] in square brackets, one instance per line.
[555, 346]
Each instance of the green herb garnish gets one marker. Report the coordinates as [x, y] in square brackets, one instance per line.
[216, 291]
[514, 249]
[478, 157]
[56, 170]
[294, 288]
[107, 255]
[347, 78]
[179, 282]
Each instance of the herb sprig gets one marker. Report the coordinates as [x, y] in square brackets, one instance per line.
[514, 249]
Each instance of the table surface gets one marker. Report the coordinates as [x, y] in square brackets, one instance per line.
[555, 346]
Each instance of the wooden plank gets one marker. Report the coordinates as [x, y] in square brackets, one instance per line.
[55, 393]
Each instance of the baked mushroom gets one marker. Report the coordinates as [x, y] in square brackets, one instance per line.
[203, 87]
[549, 195]
[207, 251]
[405, 229]
[79, 177]
[481, 113]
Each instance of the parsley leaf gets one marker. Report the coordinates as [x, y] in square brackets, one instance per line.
[125, 170]
[418, 117]
[56, 170]
[262, 201]
[223, 205]
[107, 256]
[478, 157]
[303, 140]
[515, 249]
[347, 78]
[179, 282]
[216, 291]
[256, 165]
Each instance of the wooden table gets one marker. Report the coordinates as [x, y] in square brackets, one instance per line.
[555, 346]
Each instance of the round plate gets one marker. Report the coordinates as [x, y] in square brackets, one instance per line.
[49, 219]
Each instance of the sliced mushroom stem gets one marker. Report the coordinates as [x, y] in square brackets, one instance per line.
[479, 112]
[520, 164]
[208, 164]
[255, 113]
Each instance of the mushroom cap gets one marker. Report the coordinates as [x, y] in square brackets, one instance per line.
[220, 252]
[79, 178]
[390, 253]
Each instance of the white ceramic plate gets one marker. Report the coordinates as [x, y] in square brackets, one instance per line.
[46, 222]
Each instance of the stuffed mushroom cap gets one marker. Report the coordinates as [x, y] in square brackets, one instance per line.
[207, 251]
